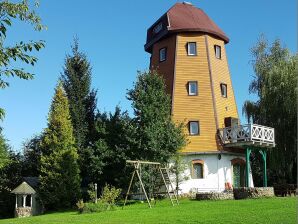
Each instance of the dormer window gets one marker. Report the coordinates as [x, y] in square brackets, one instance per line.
[217, 50]
[162, 54]
[191, 48]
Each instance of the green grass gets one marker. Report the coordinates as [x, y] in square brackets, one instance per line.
[273, 210]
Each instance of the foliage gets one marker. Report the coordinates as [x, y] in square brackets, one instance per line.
[110, 194]
[80, 205]
[10, 177]
[9, 12]
[157, 137]
[4, 151]
[59, 174]
[177, 168]
[275, 84]
[32, 155]
[94, 207]
[91, 192]
[113, 146]
[76, 80]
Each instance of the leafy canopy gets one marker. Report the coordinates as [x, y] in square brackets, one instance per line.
[20, 51]
[157, 136]
[275, 84]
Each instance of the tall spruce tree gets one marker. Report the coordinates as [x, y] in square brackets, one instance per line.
[157, 137]
[60, 180]
[76, 81]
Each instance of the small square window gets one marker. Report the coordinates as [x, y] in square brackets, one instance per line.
[217, 50]
[194, 128]
[162, 54]
[192, 48]
[224, 90]
[193, 88]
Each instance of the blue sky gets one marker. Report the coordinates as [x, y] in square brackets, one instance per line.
[112, 34]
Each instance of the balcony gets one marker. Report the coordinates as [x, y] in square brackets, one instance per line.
[248, 134]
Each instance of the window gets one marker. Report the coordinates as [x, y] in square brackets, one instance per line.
[192, 48]
[194, 128]
[157, 28]
[162, 54]
[197, 169]
[217, 50]
[192, 88]
[223, 90]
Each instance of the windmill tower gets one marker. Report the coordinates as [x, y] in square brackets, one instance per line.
[188, 49]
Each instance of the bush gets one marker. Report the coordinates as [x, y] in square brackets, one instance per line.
[97, 207]
[107, 201]
[80, 204]
[110, 194]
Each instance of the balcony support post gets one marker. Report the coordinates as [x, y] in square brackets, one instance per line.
[247, 167]
[264, 155]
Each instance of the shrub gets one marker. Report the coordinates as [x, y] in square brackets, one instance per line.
[80, 204]
[107, 201]
[96, 207]
[110, 194]
[91, 192]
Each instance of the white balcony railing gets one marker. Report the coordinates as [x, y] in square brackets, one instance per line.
[248, 134]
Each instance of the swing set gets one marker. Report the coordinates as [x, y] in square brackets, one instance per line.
[159, 178]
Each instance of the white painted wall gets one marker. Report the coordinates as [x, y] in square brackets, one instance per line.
[216, 173]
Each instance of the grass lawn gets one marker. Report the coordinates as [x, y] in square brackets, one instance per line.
[273, 210]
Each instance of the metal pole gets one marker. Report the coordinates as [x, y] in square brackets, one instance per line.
[95, 189]
[264, 154]
[247, 167]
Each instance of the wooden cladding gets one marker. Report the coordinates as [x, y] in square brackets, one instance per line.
[208, 107]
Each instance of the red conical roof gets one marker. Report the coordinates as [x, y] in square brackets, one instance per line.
[182, 17]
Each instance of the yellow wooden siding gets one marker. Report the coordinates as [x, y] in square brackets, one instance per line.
[225, 107]
[191, 108]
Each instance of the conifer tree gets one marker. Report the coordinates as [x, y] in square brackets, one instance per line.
[76, 81]
[60, 180]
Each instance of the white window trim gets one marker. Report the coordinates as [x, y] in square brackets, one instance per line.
[188, 48]
[226, 88]
[217, 49]
[189, 88]
[190, 129]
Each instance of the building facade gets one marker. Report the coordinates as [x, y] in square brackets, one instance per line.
[188, 49]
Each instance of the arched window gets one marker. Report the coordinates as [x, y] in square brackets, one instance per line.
[197, 169]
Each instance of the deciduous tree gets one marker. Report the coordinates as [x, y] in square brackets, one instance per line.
[10, 11]
[158, 137]
[275, 84]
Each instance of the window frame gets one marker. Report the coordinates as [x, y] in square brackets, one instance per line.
[221, 90]
[188, 88]
[189, 127]
[217, 47]
[197, 162]
[188, 49]
[165, 58]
